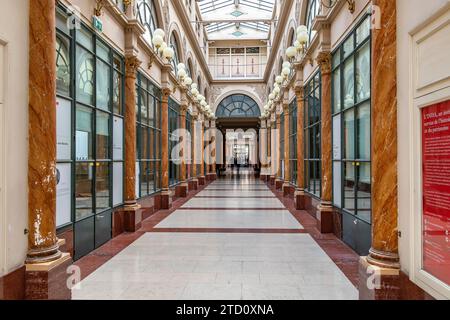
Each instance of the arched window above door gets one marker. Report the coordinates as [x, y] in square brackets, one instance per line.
[147, 17]
[239, 106]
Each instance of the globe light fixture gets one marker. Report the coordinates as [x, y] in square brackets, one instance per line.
[291, 52]
[279, 80]
[302, 28]
[168, 53]
[194, 86]
[194, 91]
[271, 96]
[276, 91]
[188, 81]
[286, 64]
[181, 74]
[157, 41]
[162, 48]
[286, 72]
[181, 66]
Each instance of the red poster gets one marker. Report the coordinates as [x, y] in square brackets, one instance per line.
[436, 190]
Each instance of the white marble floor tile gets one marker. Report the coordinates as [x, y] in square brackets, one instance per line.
[256, 219]
[233, 203]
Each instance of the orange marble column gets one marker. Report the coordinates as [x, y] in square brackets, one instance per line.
[166, 201]
[182, 189]
[131, 68]
[383, 256]
[194, 152]
[273, 150]
[45, 264]
[42, 242]
[214, 150]
[279, 179]
[300, 190]
[384, 251]
[287, 171]
[325, 209]
[202, 178]
[263, 149]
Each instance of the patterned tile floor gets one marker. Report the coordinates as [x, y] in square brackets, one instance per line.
[224, 244]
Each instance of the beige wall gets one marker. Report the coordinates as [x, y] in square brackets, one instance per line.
[414, 17]
[14, 129]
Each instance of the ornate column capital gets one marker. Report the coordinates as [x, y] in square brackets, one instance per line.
[324, 61]
[165, 94]
[132, 64]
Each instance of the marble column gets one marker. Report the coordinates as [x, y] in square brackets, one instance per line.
[269, 151]
[287, 171]
[132, 214]
[46, 266]
[383, 255]
[263, 149]
[279, 179]
[214, 150]
[182, 188]
[325, 209]
[194, 137]
[202, 178]
[166, 199]
[300, 190]
[273, 150]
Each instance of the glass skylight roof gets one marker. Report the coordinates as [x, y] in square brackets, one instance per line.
[239, 16]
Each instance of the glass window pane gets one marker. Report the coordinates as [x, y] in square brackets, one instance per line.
[349, 134]
[364, 192]
[144, 108]
[118, 139]
[84, 37]
[151, 177]
[336, 90]
[336, 58]
[348, 46]
[349, 186]
[144, 178]
[337, 137]
[103, 85]
[102, 141]
[349, 87]
[363, 31]
[117, 93]
[363, 73]
[85, 76]
[63, 66]
[151, 111]
[152, 144]
[118, 183]
[363, 131]
[337, 184]
[83, 134]
[83, 190]
[103, 51]
[102, 190]
[144, 143]
[63, 129]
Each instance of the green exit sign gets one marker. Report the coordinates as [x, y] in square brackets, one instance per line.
[98, 24]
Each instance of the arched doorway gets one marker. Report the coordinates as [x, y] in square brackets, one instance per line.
[238, 119]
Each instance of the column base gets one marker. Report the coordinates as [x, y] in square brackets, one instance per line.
[201, 180]
[166, 200]
[377, 283]
[299, 199]
[279, 184]
[132, 218]
[324, 217]
[48, 281]
[193, 184]
[211, 177]
[264, 177]
[181, 191]
[287, 189]
[272, 180]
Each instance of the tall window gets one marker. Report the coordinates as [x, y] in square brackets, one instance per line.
[352, 123]
[174, 139]
[312, 11]
[312, 135]
[293, 141]
[148, 129]
[176, 50]
[90, 86]
[147, 17]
